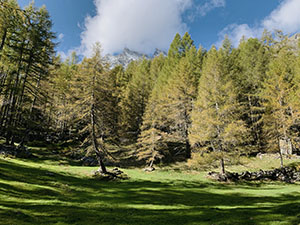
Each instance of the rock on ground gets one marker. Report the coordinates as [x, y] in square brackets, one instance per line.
[114, 174]
[15, 151]
[285, 174]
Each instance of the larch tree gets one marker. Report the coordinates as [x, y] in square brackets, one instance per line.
[134, 100]
[167, 118]
[278, 92]
[216, 123]
[251, 65]
[28, 49]
[62, 110]
[87, 92]
[152, 143]
[179, 94]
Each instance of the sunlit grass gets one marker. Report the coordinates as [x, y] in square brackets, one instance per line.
[50, 189]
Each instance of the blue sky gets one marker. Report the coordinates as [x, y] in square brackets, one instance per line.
[143, 25]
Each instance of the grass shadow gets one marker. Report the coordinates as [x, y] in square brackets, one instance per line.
[33, 195]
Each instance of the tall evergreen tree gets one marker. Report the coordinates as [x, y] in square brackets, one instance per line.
[248, 77]
[29, 48]
[86, 89]
[278, 92]
[215, 117]
[167, 118]
[62, 97]
[134, 100]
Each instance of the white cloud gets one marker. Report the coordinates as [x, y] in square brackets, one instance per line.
[210, 5]
[138, 25]
[286, 17]
[236, 32]
[141, 25]
[60, 36]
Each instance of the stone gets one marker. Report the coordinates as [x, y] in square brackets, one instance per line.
[285, 174]
[117, 171]
[15, 151]
[149, 169]
[111, 175]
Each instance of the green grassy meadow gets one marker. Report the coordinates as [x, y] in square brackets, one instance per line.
[53, 190]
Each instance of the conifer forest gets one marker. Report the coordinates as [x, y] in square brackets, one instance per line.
[233, 111]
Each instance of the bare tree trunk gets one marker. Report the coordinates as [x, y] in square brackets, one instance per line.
[151, 163]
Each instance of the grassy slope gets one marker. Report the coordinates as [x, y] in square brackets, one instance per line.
[48, 190]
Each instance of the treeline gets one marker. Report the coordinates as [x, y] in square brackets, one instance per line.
[222, 102]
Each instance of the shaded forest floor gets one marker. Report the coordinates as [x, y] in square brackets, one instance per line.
[49, 189]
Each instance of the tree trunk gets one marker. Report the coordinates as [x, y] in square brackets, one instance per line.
[151, 163]
[280, 154]
[102, 167]
[24, 82]
[3, 80]
[21, 97]
[3, 40]
[187, 149]
[186, 133]
[4, 106]
[14, 96]
[27, 132]
[282, 110]
[281, 160]
[220, 149]
[222, 166]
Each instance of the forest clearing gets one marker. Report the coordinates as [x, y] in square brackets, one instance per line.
[50, 189]
[190, 134]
